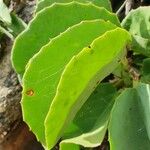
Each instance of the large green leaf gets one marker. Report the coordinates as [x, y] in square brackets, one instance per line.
[138, 24]
[92, 119]
[4, 13]
[51, 22]
[101, 3]
[44, 70]
[129, 120]
[80, 78]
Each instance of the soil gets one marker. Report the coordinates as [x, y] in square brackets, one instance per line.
[21, 139]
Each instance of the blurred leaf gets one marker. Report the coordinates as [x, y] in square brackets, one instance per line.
[138, 60]
[146, 71]
[17, 25]
[141, 45]
[13, 29]
[118, 71]
[137, 22]
[4, 13]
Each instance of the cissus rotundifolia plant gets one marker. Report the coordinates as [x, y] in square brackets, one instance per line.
[84, 73]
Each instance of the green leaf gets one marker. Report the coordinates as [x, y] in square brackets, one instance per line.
[127, 128]
[55, 21]
[141, 45]
[14, 28]
[44, 70]
[17, 25]
[144, 94]
[92, 119]
[101, 3]
[69, 146]
[138, 24]
[80, 78]
[4, 13]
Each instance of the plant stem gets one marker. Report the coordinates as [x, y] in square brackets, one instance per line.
[121, 8]
[128, 6]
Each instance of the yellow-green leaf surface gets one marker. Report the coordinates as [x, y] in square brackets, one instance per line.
[137, 22]
[92, 119]
[101, 3]
[45, 68]
[49, 23]
[80, 78]
[129, 122]
[4, 13]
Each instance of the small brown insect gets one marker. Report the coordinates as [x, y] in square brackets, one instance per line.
[30, 92]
